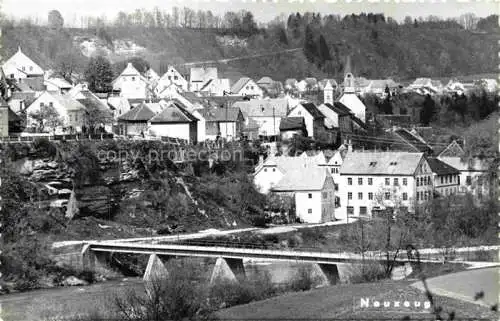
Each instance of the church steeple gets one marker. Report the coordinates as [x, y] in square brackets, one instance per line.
[348, 77]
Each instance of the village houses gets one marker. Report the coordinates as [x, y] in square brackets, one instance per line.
[131, 84]
[20, 67]
[246, 87]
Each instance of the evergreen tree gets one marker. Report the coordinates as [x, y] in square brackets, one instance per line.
[428, 110]
[99, 74]
[282, 36]
[310, 48]
[323, 51]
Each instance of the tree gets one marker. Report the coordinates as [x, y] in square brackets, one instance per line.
[248, 25]
[99, 74]
[428, 110]
[47, 117]
[282, 36]
[323, 51]
[55, 19]
[67, 63]
[310, 48]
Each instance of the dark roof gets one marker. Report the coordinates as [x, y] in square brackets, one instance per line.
[173, 113]
[140, 113]
[339, 108]
[292, 123]
[135, 101]
[412, 140]
[91, 102]
[359, 122]
[221, 114]
[441, 168]
[313, 110]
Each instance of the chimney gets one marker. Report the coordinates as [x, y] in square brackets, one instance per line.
[261, 159]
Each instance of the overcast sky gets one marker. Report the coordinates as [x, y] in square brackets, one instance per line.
[263, 10]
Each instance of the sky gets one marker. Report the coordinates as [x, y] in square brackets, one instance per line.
[263, 10]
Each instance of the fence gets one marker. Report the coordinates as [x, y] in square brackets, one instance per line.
[69, 137]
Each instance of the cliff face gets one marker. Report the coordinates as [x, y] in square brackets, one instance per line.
[131, 194]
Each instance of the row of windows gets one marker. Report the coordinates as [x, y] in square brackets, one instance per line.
[387, 196]
[370, 181]
[175, 77]
[265, 169]
[448, 179]
[24, 68]
[51, 104]
[422, 181]
[423, 196]
[362, 210]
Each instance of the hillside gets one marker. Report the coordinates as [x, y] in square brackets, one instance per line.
[377, 50]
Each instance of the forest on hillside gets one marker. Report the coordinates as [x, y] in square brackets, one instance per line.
[379, 46]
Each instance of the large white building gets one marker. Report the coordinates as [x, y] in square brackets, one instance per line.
[372, 181]
[171, 78]
[349, 97]
[131, 84]
[20, 66]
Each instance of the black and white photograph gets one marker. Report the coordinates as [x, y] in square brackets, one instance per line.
[169, 160]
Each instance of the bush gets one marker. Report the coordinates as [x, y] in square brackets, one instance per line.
[303, 280]
[368, 272]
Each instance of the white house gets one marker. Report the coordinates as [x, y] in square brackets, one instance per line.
[171, 78]
[265, 113]
[20, 66]
[175, 122]
[473, 176]
[71, 112]
[446, 178]
[374, 181]
[313, 190]
[135, 122]
[131, 84]
[119, 106]
[246, 87]
[216, 87]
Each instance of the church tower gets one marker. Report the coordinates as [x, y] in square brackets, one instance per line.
[328, 93]
[348, 78]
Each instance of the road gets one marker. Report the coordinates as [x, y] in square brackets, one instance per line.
[464, 285]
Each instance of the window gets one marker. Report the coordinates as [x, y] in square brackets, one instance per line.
[468, 181]
[418, 182]
[373, 163]
[332, 170]
[396, 182]
[350, 210]
[274, 169]
[23, 68]
[418, 196]
[31, 68]
[405, 181]
[360, 196]
[405, 196]
[349, 196]
[133, 78]
[442, 180]
[325, 195]
[458, 180]
[336, 187]
[51, 104]
[310, 211]
[387, 181]
[387, 195]
[42, 104]
[370, 196]
[309, 195]
[479, 181]
[360, 181]
[349, 181]
[175, 77]
[362, 210]
[265, 169]
[370, 181]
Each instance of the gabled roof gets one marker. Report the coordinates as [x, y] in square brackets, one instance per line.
[238, 86]
[441, 168]
[453, 149]
[141, 113]
[472, 164]
[173, 113]
[130, 70]
[91, 102]
[413, 140]
[307, 177]
[380, 163]
[291, 82]
[66, 101]
[292, 123]
[221, 114]
[263, 107]
[313, 110]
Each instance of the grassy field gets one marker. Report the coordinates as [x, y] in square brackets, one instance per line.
[343, 302]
